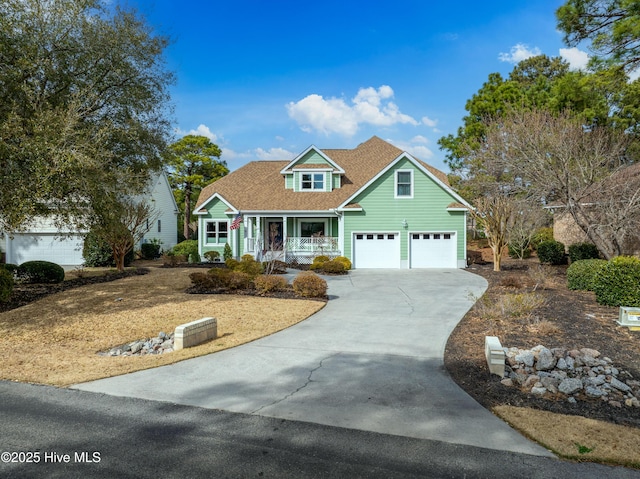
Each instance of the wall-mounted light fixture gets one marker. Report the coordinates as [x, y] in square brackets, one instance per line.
[405, 224]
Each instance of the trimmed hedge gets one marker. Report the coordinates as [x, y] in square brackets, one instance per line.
[345, 261]
[266, 283]
[186, 248]
[149, 250]
[6, 284]
[551, 252]
[40, 272]
[582, 273]
[618, 282]
[579, 251]
[310, 285]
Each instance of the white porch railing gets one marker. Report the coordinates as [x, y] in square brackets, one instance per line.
[315, 245]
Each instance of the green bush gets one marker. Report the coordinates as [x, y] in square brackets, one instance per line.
[582, 273]
[310, 285]
[551, 252]
[580, 251]
[185, 248]
[543, 234]
[249, 265]
[211, 256]
[266, 283]
[97, 253]
[40, 272]
[238, 280]
[345, 261]
[226, 253]
[12, 268]
[6, 284]
[333, 267]
[150, 250]
[321, 259]
[193, 258]
[618, 282]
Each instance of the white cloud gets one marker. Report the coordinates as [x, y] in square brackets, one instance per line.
[419, 139]
[274, 154]
[415, 147]
[576, 58]
[518, 53]
[429, 122]
[334, 115]
[202, 130]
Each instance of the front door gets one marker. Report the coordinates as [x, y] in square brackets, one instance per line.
[274, 233]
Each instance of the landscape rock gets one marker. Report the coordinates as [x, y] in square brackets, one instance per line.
[570, 386]
[163, 343]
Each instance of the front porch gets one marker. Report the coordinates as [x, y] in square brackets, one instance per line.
[291, 239]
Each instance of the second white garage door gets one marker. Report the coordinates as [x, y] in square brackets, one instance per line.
[433, 250]
[376, 250]
[63, 250]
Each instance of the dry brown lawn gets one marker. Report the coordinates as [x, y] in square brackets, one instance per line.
[55, 340]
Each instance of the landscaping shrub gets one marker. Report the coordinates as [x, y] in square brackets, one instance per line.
[318, 261]
[582, 273]
[6, 284]
[150, 250]
[249, 266]
[211, 256]
[617, 283]
[97, 253]
[310, 285]
[171, 259]
[186, 248]
[194, 258]
[333, 267]
[519, 250]
[12, 268]
[266, 283]
[231, 263]
[551, 252]
[238, 280]
[226, 253]
[345, 261]
[40, 272]
[543, 234]
[580, 251]
[218, 278]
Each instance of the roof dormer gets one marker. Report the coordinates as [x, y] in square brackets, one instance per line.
[312, 171]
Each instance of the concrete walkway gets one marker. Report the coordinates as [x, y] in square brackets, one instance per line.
[371, 360]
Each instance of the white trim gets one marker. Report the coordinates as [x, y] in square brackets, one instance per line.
[204, 232]
[395, 184]
[287, 169]
[313, 188]
[454, 238]
[313, 220]
[417, 164]
[209, 200]
[397, 253]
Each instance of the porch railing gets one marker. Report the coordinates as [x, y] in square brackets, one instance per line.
[316, 245]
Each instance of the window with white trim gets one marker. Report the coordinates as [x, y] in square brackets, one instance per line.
[404, 184]
[312, 181]
[217, 232]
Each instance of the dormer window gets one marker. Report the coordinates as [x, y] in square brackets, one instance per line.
[312, 181]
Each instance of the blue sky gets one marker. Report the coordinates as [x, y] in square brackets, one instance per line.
[266, 79]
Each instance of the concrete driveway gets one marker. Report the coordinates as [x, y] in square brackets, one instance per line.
[371, 360]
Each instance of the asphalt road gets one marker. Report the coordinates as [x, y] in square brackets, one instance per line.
[106, 437]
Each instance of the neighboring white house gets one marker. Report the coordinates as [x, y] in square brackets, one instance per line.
[43, 241]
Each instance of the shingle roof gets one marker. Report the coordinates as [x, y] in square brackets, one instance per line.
[259, 185]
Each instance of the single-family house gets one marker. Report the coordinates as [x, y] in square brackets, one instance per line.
[375, 204]
[44, 241]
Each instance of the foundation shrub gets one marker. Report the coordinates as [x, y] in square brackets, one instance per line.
[40, 272]
[267, 283]
[6, 284]
[580, 251]
[582, 273]
[211, 256]
[226, 253]
[249, 266]
[551, 252]
[309, 285]
[617, 283]
[318, 261]
[12, 268]
[186, 248]
[231, 263]
[333, 267]
[345, 261]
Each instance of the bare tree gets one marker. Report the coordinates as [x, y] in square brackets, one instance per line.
[555, 159]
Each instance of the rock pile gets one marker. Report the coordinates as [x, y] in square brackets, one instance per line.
[571, 374]
[163, 343]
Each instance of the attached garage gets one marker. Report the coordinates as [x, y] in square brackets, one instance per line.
[432, 250]
[62, 250]
[376, 250]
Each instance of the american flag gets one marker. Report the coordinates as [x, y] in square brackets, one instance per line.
[235, 224]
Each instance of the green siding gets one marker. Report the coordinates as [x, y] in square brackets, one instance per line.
[288, 182]
[296, 179]
[313, 158]
[336, 183]
[426, 211]
[216, 210]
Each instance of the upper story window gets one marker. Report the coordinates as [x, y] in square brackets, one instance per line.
[404, 184]
[217, 231]
[312, 181]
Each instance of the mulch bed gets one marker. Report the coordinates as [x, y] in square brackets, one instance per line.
[579, 322]
[24, 294]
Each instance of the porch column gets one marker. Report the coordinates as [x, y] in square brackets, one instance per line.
[341, 235]
[258, 236]
[284, 235]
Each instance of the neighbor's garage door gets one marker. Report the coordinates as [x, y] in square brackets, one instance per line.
[433, 250]
[47, 247]
[376, 250]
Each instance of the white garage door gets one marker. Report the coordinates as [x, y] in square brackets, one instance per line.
[61, 250]
[376, 250]
[432, 250]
